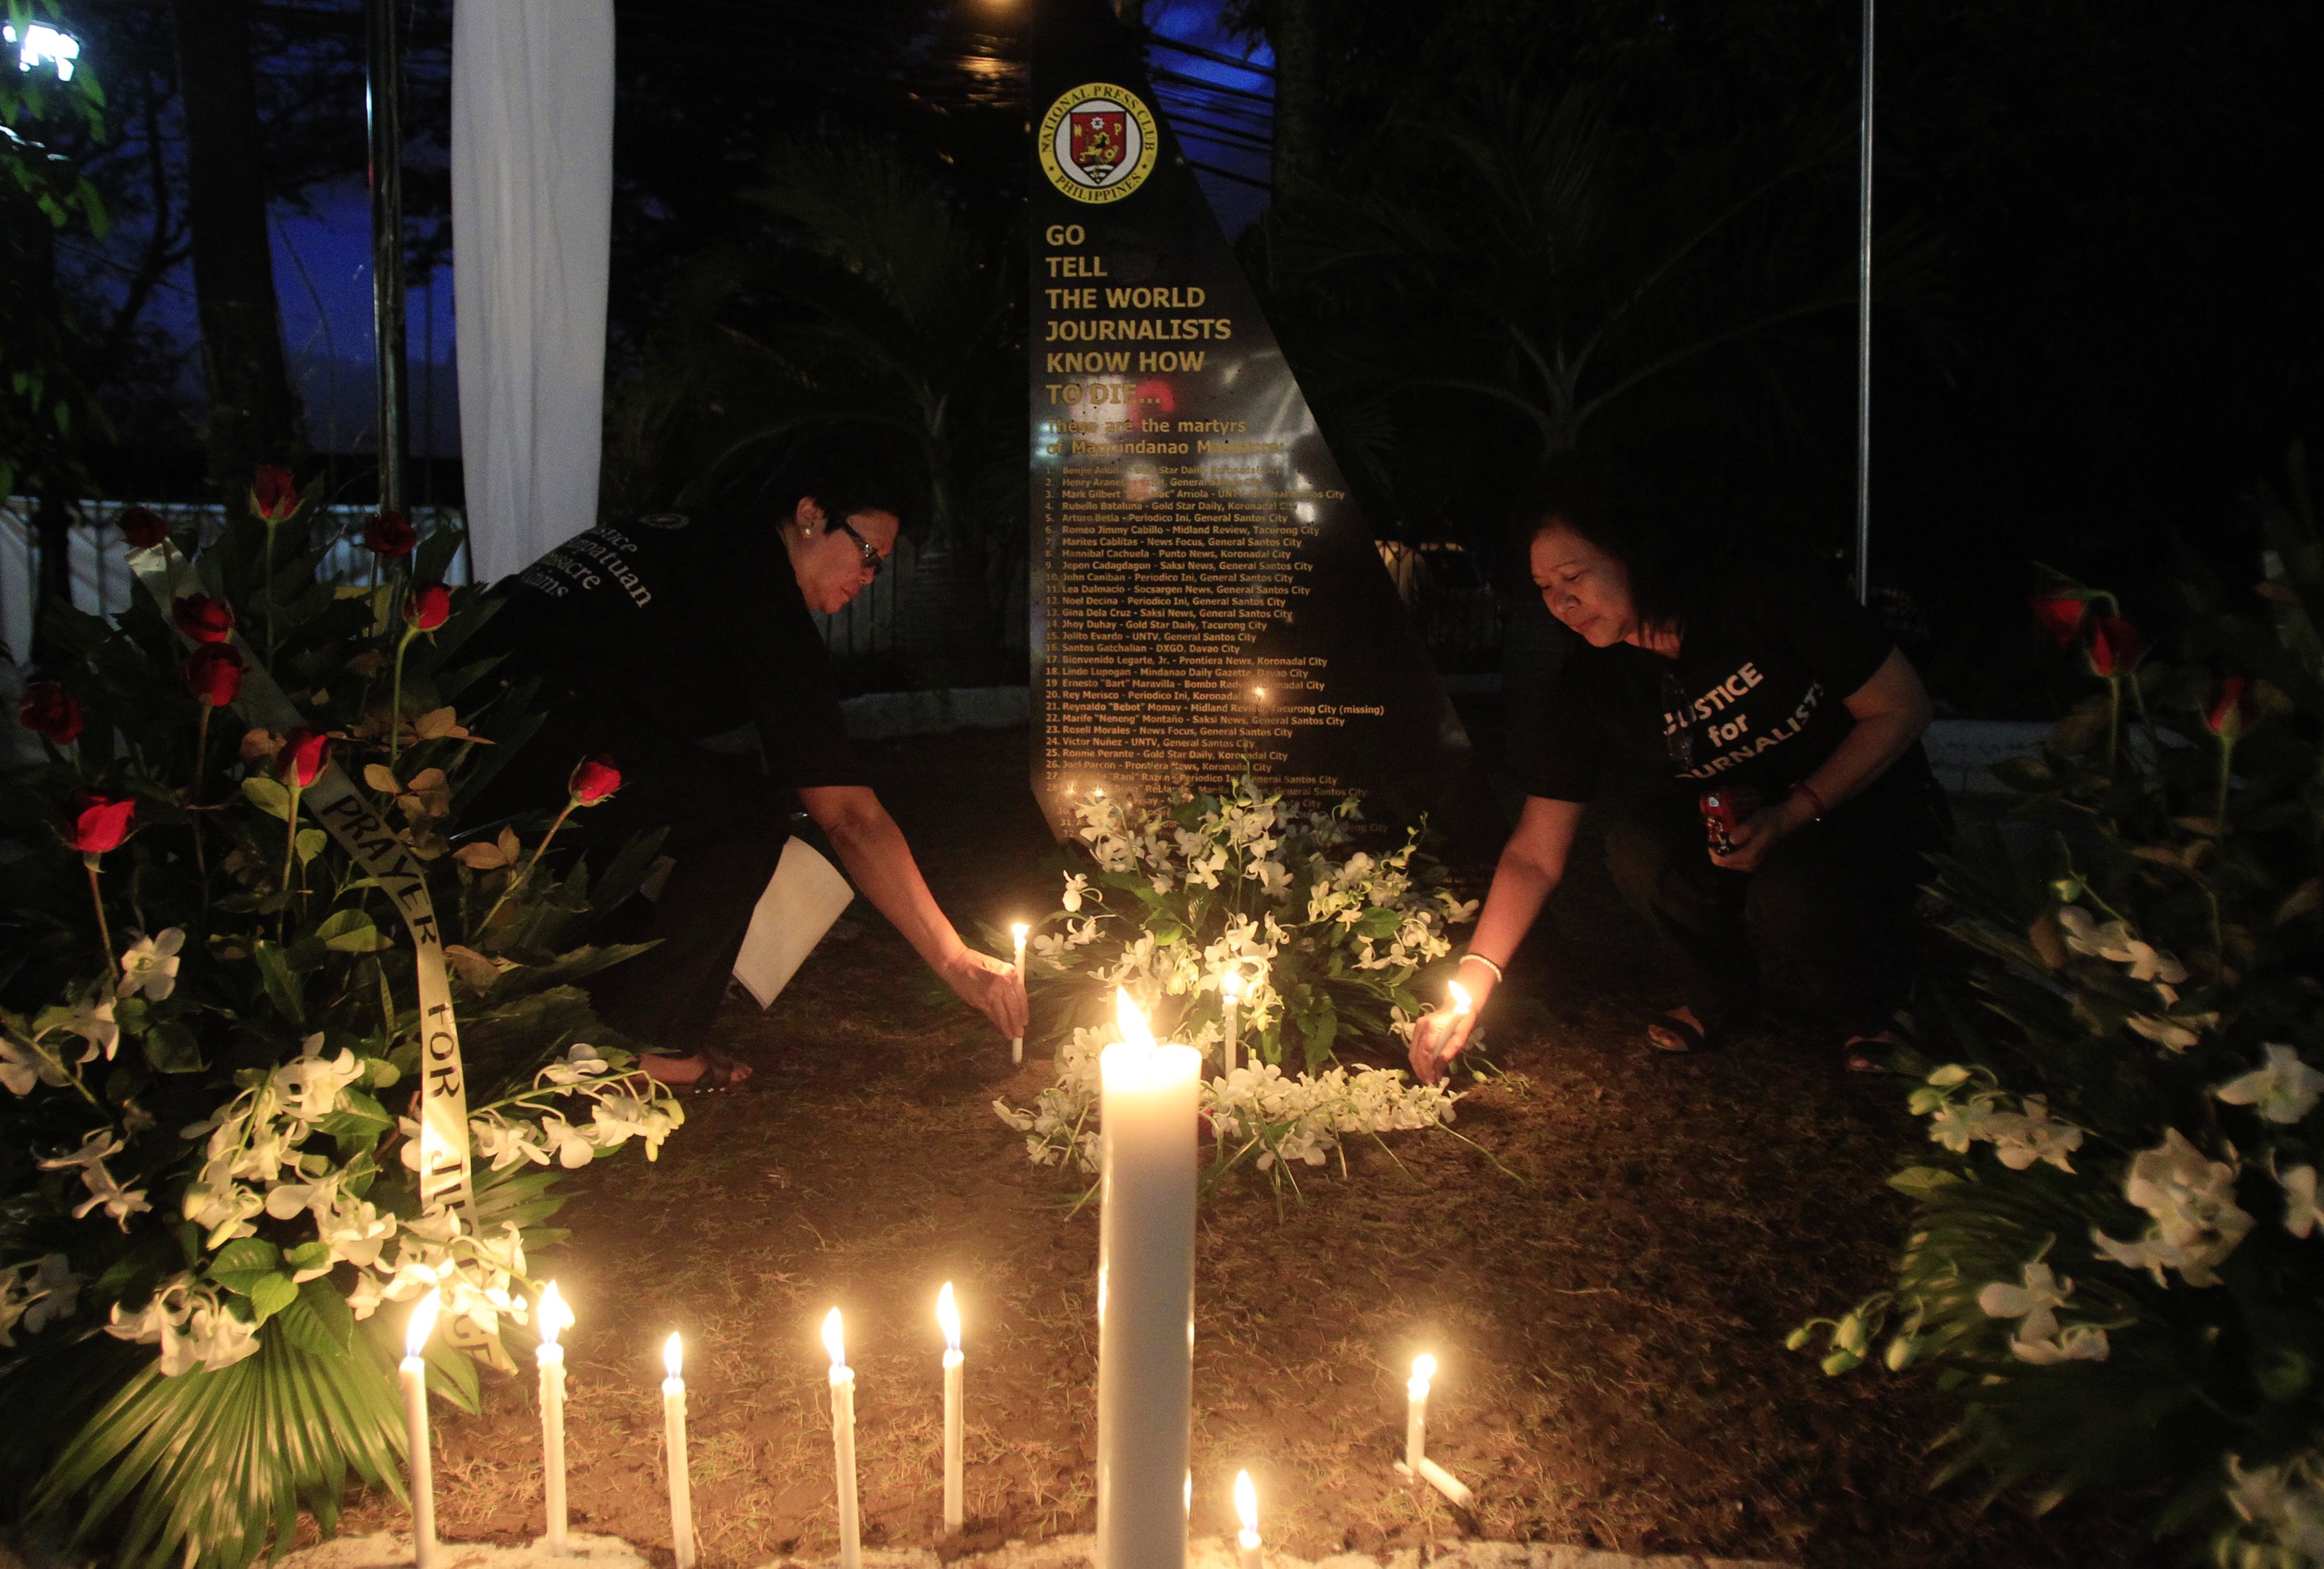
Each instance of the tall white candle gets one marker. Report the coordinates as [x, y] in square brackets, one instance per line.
[1231, 1004]
[673, 1423]
[551, 1315]
[1415, 1412]
[954, 1417]
[842, 1441]
[1247, 1511]
[1017, 1047]
[1145, 1296]
[413, 1373]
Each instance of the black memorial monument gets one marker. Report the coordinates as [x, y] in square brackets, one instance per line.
[1206, 594]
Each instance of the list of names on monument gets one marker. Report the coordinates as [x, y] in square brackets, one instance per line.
[1207, 597]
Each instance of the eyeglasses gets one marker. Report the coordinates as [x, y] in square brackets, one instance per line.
[872, 560]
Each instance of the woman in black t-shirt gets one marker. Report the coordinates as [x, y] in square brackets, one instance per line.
[1765, 684]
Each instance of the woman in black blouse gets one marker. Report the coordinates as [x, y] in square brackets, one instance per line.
[1763, 681]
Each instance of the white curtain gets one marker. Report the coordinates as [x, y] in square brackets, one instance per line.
[532, 194]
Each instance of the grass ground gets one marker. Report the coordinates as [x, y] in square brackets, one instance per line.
[1605, 1274]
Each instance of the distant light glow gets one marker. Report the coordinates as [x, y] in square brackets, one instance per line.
[43, 44]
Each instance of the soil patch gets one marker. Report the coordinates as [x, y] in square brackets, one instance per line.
[1605, 1273]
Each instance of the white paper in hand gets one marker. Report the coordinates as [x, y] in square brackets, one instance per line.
[804, 897]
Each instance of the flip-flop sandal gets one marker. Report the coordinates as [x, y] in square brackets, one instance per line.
[1691, 1038]
[717, 1075]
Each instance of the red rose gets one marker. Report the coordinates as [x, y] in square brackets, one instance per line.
[2229, 712]
[214, 674]
[2115, 647]
[2060, 616]
[274, 496]
[142, 527]
[202, 617]
[428, 608]
[96, 822]
[390, 534]
[52, 711]
[595, 779]
[304, 756]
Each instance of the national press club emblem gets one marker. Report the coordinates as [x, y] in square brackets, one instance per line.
[1097, 143]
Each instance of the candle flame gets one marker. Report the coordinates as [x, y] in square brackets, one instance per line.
[948, 1317]
[1129, 1021]
[420, 1326]
[1460, 997]
[1230, 986]
[1017, 932]
[673, 1354]
[551, 1314]
[835, 1339]
[1424, 1368]
[1247, 1504]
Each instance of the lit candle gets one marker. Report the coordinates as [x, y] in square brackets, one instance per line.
[414, 1374]
[552, 1315]
[842, 1440]
[1415, 1412]
[1247, 1506]
[1416, 1463]
[1145, 1295]
[1461, 999]
[955, 1419]
[681, 1483]
[1017, 1047]
[1231, 1003]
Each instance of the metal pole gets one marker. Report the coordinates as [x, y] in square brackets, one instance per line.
[1864, 326]
[383, 103]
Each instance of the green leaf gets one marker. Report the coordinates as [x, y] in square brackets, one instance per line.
[1378, 922]
[270, 1294]
[350, 932]
[1920, 1181]
[282, 986]
[320, 1320]
[269, 795]
[240, 1264]
[311, 842]
[173, 1047]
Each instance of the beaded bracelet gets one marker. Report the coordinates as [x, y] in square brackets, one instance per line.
[1488, 964]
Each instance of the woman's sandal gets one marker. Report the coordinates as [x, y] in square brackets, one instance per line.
[1685, 1036]
[717, 1075]
[1896, 1036]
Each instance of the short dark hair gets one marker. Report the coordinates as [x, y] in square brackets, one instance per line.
[845, 475]
[1579, 492]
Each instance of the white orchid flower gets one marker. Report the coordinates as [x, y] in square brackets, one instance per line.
[572, 1147]
[308, 1086]
[151, 966]
[2300, 1213]
[2284, 1087]
[2165, 1032]
[2037, 1338]
[2191, 1199]
[92, 1021]
[579, 1062]
[1076, 885]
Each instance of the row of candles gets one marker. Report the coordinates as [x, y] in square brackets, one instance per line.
[1146, 1335]
[553, 1317]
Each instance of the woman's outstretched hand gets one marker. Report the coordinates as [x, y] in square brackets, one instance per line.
[1441, 1036]
[990, 986]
